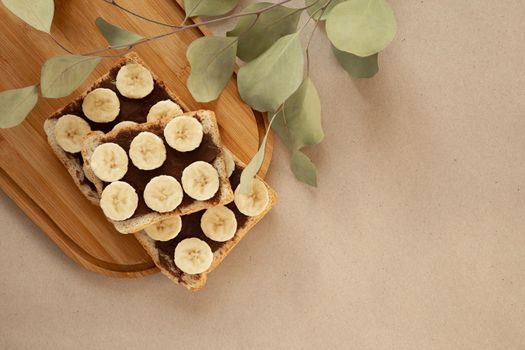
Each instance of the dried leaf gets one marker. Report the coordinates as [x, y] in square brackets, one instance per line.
[298, 124]
[212, 61]
[358, 67]
[15, 105]
[266, 82]
[37, 13]
[303, 168]
[61, 75]
[248, 174]
[116, 36]
[361, 27]
[254, 39]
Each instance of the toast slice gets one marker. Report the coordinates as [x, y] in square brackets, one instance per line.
[210, 150]
[162, 252]
[137, 110]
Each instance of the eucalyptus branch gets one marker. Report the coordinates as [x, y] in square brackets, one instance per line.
[178, 28]
[182, 26]
[189, 26]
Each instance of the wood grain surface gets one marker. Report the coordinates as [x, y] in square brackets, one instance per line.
[29, 171]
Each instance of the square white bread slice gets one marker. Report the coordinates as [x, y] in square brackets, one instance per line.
[197, 281]
[188, 206]
[73, 162]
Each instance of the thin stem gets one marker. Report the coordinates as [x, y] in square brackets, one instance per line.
[61, 45]
[236, 15]
[322, 9]
[186, 27]
[182, 26]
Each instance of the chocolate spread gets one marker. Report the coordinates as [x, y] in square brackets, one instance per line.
[130, 109]
[173, 166]
[135, 110]
[191, 227]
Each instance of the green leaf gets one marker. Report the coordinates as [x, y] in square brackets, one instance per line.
[212, 61]
[361, 27]
[61, 75]
[298, 124]
[15, 105]
[254, 39]
[116, 36]
[316, 5]
[358, 67]
[303, 168]
[209, 7]
[266, 82]
[37, 13]
[248, 174]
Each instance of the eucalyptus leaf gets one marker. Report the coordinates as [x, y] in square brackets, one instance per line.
[358, 67]
[254, 39]
[266, 82]
[361, 27]
[61, 75]
[116, 36]
[298, 124]
[303, 168]
[212, 61]
[316, 5]
[248, 174]
[37, 13]
[15, 105]
[208, 7]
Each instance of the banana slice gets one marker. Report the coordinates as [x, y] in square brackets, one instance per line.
[164, 110]
[101, 105]
[165, 230]
[219, 224]
[147, 151]
[254, 202]
[70, 131]
[119, 201]
[134, 81]
[124, 124]
[109, 162]
[230, 163]
[184, 133]
[163, 194]
[193, 256]
[200, 180]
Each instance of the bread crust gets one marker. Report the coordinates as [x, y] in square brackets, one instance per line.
[210, 127]
[196, 282]
[72, 164]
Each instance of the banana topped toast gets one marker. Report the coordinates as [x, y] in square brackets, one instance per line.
[175, 167]
[187, 248]
[128, 94]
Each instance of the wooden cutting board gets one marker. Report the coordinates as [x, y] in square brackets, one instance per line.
[30, 173]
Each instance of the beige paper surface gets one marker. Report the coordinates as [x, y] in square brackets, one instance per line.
[415, 238]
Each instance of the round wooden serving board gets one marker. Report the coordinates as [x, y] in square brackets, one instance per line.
[29, 171]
